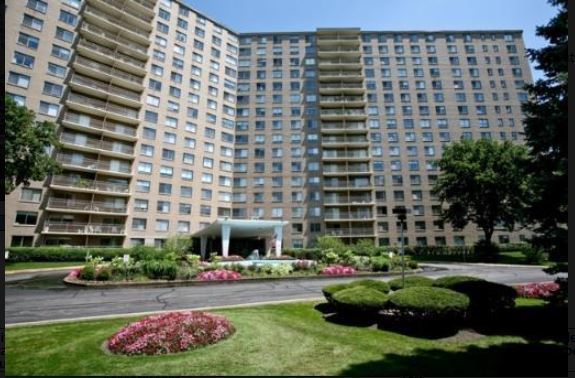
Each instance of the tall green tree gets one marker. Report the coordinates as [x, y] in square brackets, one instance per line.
[546, 136]
[25, 146]
[483, 182]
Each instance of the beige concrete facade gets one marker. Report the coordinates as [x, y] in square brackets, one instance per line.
[170, 120]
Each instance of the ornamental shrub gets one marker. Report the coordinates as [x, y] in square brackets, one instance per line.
[427, 303]
[170, 333]
[379, 264]
[219, 275]
[281, 270]
[337, 270]
[411, 281]
[330, 290]
[539, 290]
[104, 274]
[448, 282]
[371, 284]
[303, 265]
[487, 299]
[88, 273]
[359, 300]
[160, 269]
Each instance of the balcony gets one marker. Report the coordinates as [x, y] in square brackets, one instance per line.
[114, 41]
[346, 201]
[88, 186]
[106, 73]
[138, 14]
[344, 141]
[345, 155]
[339, 64]
[338, 169]
[76, 206]
[355, 88]
[111, 57]
[118, 24]
[83, 228]
[101, 108]
[82, 143]
[341, 127]
[354, 114]
[338, 101]
[80, 163]
[324, 40]
[104, 90]
[348, 216]
[350, 232]
[86, 123]
[330, 75]
[335, 51]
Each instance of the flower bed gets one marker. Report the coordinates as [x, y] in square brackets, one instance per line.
[232, 258]
[337, 270]
[170, 333]
[219, 275]
[537, 289]
[74, 274]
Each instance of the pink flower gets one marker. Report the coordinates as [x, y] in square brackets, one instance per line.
[336, 270]
[74, 274]
[170, 333]
[219, 275]
[537, 289]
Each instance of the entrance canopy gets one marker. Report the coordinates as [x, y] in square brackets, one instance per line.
[224, 228]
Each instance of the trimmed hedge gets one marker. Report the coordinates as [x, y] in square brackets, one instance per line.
[62, 254]
[359, 300]
[448, 282]
[303, 253]
[411, 281]
[330, 290]
[371, 284]
[428, 303]
[486, 298]
[160, 269]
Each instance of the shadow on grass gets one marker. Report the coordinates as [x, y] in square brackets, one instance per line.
[325, 308]
[354, 320]
[419, 329]
[509, 359]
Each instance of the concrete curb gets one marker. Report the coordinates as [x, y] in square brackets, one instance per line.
[179, 283]
[137, 314]
[25, 271]
[483, 264]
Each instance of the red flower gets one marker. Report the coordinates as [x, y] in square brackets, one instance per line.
[337, 270]
[219, 275]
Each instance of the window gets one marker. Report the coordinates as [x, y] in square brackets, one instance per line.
[19, 79]
[49, 109]
[68, 18]
[31, 195]
[162, 225]
[60, 52]
[37, 5]
[64, 35]
[26, 218]
[23, 60]
[33, 22]
[139, 224]
[28, 41]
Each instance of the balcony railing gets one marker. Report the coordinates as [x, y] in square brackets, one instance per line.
[349, 231]
[341, 86]
[117, 4]
[352, 215]
[328, 140]
[350, 199]
[343, 154]
[92, 164]
[97, 144]
[90, 206]
[109, 70]
[338, 61]
[109, 88]
[83, 228]
[119, 23]
[111, 53]
[342, 126]
[99, 124]
[346, 184]
[103, 105]
[146, 3]
[344, 99]
[113, 37]
[100, 186]
[334, 50]
[339, 73]
[343, 112]
[343, 169]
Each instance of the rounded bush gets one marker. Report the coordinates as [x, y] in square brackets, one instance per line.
[428, 303]
[379, 264]
[449, 281]
[486, 298]
[160, 269]
[330, 290]
[88, 273]
[371, 284]
[411, 281]
[170, 333]
[359, 300]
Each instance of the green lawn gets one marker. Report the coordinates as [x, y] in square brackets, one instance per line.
[11, 266]
[291, 339]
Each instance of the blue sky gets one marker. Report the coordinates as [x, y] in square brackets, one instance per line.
[307, 15]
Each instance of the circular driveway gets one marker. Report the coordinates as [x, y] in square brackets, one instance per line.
[54, 302]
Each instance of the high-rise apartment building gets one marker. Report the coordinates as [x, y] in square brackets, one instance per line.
[169, 120]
